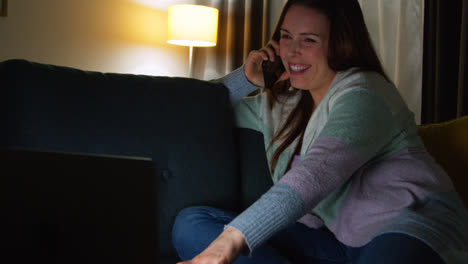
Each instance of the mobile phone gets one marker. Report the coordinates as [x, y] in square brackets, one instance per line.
[272, 70]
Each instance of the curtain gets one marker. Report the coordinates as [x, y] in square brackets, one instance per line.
[445, 92]
[396, 29]
[243, 26]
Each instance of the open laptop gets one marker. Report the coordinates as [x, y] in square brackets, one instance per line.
[76, 208]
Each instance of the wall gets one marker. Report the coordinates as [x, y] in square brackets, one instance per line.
[121, 36]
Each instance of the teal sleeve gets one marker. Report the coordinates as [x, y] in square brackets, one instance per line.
[247, 113]
[362, 119]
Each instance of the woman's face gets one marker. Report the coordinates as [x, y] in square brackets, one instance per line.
[304, 48]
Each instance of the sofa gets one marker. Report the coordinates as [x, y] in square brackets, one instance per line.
[184, 125]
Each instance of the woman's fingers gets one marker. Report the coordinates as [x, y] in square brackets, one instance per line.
[284, 76]
[271, 49]
[253, 65]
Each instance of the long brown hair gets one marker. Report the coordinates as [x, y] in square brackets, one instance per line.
[349, 46]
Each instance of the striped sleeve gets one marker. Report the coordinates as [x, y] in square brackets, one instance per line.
[359, 125]
[237, 84]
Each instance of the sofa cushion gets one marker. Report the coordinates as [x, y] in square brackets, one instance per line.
[447, 142]
[183, 124]
[253, 166]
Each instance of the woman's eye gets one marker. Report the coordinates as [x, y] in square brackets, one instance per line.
[284, 36]
[310, 40]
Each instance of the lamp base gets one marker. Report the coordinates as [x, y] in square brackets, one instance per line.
[190, 61]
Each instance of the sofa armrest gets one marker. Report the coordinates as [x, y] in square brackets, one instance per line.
[447, 142]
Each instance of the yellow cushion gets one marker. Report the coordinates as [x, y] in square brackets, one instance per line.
[447, 142]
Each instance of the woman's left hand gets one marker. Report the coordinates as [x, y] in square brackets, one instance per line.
[223, 250]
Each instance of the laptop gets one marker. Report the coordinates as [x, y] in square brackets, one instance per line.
[77, 208]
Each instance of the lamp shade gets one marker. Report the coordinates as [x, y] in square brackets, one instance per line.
[192, 25]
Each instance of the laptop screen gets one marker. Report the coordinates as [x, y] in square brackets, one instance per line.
[76, 208]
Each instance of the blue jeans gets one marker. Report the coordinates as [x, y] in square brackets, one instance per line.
[196, 227]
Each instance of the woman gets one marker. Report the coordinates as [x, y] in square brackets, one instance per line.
[353, 182]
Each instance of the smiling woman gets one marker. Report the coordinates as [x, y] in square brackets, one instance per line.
[352, 181]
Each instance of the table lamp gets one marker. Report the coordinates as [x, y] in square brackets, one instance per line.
[193, 26]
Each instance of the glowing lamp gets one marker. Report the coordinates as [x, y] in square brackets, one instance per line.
[193, 26]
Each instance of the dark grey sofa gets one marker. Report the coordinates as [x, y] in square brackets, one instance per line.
[184, 125]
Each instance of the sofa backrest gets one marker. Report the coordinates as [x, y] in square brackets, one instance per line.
[184, 125]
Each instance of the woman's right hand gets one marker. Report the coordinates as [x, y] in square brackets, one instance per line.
[253, 65]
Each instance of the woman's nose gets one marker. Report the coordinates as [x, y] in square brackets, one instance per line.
[294, 48]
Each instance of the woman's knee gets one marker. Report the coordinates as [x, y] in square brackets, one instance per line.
[187, 215]
[193, 219]
[186, 220]
[196, 227]
[195, 215]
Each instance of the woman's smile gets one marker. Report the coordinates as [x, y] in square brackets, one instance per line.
[297, 69]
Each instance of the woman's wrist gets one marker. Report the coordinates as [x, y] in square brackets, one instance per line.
[226, 248]
[234, 240]
[236, 237]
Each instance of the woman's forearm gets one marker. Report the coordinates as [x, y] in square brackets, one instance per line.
[237, 84]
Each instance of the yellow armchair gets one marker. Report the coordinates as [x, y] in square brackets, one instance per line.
[447, 142]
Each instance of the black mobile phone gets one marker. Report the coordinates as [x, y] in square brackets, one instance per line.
[272, 70]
